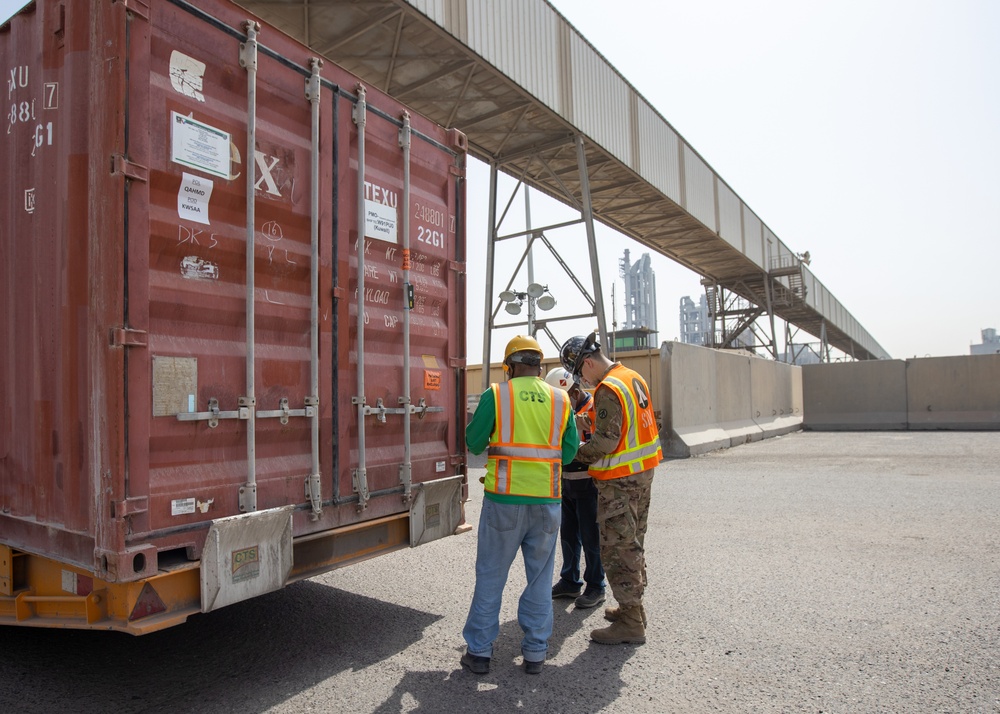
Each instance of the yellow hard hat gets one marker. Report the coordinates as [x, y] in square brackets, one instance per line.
[522, 343]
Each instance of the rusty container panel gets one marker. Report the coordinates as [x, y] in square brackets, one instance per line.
[128, 356]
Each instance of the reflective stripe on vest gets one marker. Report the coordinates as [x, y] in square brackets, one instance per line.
[639, 448]
[525, 451]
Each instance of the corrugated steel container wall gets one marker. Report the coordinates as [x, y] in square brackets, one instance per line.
[699, 189]
[521, 39]
[730, 208]
[601, 100]
[658, 153]
[753, 241]
[97, 461]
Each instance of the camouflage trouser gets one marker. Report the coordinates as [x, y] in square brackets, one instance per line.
[623, 513]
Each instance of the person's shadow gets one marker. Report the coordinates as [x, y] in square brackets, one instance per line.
[588, 683]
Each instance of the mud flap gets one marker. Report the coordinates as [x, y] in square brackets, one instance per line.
[436, 511]
[246, 556]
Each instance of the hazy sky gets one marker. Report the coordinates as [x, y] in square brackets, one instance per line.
[863, 131]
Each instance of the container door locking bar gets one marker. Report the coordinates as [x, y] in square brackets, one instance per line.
[214, 414]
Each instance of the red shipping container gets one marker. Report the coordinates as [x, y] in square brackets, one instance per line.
[209, 386]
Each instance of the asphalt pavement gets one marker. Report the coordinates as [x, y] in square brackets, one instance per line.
[815, 572]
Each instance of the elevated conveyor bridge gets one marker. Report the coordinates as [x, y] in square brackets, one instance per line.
[538, 102]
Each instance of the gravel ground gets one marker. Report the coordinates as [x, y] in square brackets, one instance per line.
[816, 572]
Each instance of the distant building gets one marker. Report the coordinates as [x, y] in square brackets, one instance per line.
[696, 325]
[990, 346]
[640, 293]
[637, 339]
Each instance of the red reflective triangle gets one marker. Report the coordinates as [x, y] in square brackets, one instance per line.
[148, 603]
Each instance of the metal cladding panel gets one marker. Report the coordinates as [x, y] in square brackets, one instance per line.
[809, 282]
[730, 209]
[782, 255]
[521, 40]
[119, 411]
[753, 241]
[771, 250]
[699, 188]
[658, 152]
[601, 100]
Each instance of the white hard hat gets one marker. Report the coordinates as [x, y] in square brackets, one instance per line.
[560, 378]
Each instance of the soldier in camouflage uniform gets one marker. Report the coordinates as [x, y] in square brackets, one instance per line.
[622, 454]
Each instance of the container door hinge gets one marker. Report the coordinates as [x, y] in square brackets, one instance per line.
[120, 166]
[314, 492]
[129, 507]
[127, 337]
[360, 479]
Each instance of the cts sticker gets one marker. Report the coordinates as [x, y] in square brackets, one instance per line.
[246, 563]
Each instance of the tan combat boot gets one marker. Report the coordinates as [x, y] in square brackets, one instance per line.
[611, 614]
[626, 629]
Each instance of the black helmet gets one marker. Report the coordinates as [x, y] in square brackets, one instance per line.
[576, 349]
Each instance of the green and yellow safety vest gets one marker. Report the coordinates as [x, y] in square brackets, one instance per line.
[525, 450]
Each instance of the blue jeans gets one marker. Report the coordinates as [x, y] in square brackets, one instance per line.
[579, 530]
[503, 530]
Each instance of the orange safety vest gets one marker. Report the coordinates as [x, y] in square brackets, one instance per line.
[638, 448]
[525, 451]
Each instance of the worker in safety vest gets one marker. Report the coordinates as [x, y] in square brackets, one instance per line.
[579, 531]
[530, 431]
[622, 454]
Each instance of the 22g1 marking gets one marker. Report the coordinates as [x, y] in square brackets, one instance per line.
[430, 237]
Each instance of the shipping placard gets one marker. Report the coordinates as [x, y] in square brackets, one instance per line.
[198, 145]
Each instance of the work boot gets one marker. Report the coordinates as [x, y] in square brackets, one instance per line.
[626, 629]
[564, 589]
[592, 597]
[611, 614]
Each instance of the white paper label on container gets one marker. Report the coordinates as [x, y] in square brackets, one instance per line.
[193, 198]
[69, 582]
[187, 75]
[380, 222]
[194, 268]
[181, 506]
[198, 145]
[439, 466]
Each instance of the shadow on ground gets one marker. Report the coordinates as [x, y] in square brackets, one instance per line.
[244, 658]
[588, 683]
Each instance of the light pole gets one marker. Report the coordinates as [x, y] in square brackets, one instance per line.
[534, 295]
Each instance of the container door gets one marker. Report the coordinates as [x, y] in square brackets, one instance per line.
[411, 301]
[219, 404]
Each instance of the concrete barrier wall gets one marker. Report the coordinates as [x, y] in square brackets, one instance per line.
[773, 390]
[715, 399]
[734, 397]
[690, 423]
[848, 396]
[953, 392]
[958, 393]
[712, 399]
